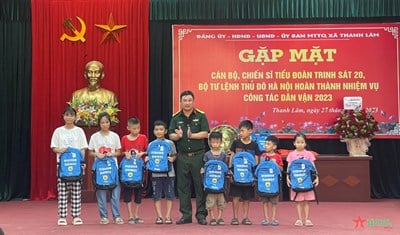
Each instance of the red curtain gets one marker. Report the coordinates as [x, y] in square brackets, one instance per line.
[58, 68]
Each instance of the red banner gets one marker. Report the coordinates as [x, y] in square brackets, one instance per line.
[289, 78]
[65, 36]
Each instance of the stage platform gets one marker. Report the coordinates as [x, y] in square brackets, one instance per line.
[364, 218]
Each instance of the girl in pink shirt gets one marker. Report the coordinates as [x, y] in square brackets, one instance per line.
[302, 199]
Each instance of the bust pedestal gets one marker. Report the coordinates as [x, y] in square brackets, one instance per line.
[88, 191]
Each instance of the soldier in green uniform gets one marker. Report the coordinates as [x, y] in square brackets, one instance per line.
[188, 128]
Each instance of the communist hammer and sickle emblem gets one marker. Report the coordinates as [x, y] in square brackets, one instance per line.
[78, 35]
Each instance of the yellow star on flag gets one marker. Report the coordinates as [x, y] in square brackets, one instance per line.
[111, 29]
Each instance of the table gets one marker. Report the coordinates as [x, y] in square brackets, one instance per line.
[341, 179]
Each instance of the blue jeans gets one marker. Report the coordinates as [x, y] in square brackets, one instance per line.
[101, 196]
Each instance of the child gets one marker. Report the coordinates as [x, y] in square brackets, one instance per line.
[215, 199]
[270, 203]
[302, 199]
[244, 143]
[65, 136]
[163, 183]
[106, 143]
[133, 144]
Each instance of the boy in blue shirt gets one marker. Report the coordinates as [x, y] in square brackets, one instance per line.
[215, 199]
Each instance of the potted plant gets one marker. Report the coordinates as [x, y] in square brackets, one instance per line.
[356, 128]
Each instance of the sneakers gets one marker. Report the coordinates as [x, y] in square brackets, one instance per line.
[77, 221]
[118, 220]
[62, 222]
[104, 221]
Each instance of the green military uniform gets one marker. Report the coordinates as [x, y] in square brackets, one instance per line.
[190, 161]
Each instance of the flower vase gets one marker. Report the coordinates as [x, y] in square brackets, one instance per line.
[357, 147]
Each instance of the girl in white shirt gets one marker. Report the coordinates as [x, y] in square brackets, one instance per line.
[69, 136]
[106, 143]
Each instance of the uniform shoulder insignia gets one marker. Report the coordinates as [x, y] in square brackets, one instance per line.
[200, 111]
[175, 114]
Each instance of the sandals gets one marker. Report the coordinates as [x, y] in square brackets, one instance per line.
[298, 223]
[62, 222]
[213, 222]
[168, 220]
[220, 221]
[77, 221]
[308, 223]
[265, 222]
[246, 221]
[138, 220]
[131, 221]
[275, 222]
[234, 221]
[159, 220]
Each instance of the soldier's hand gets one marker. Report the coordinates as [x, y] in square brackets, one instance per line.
[189, 133]
[179, 132]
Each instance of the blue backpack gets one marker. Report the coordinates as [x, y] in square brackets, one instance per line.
[132, 172]
[259, 138]
[243, 164]
[302, 173]
[268, 179]
[70, 165]
[158, 152]
[214, 176]
[105, 173]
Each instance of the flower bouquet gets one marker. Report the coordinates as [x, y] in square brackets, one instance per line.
[88, 111]
[356, 128]
[356, 124]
